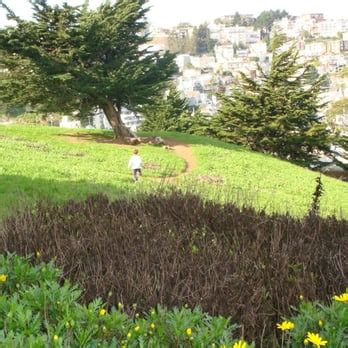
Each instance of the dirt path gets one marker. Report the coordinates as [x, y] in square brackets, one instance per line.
[180, 148]
[184, 151]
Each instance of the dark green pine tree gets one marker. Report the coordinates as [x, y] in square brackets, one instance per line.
[71, 58]
[203, 42]
[278, 113]
[164, 112]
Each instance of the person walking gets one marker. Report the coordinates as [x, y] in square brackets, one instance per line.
[135, 164]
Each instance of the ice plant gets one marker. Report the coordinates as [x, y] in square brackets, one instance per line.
[240, 344]
[315, 339]
[189, 331]
[3, 278]
[286, 325]
[342, 298]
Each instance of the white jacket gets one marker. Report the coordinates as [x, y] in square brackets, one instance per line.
[135, 162]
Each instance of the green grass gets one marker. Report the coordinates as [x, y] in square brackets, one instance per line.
[261, 180]
[41, 163]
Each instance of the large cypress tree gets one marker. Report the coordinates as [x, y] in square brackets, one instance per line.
[278, 113]
[71, 58]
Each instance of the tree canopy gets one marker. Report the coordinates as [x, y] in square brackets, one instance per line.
[266, 19]
[278, 113]
[70, 58]
[337, 108]
[164, 111]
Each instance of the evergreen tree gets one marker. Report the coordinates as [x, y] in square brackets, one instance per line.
[194, 123]
[164, 112]
[266, 19]
[72, 58]
[264, 22]
[337, 108]
[237, 19]
[276, 114]
[203, 41]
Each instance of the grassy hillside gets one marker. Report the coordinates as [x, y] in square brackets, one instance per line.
[59, 164]
[260, 179]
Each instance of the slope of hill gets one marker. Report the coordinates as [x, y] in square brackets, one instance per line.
[60, 164]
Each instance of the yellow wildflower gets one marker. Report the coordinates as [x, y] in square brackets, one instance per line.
[102, 312]
[320, 323]
[55, 338]
[152, 326]
[3, 278]
[137, 328]
[306, 341]
[285, 325]
[342, 297]
[240, 344]
[189, 331]
[315, 339]
[129, 335]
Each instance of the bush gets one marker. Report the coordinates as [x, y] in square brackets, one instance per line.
[177, 249]
[315, 323]
[31, 118]
[35, 311]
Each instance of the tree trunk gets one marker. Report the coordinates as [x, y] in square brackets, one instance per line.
[113, 114]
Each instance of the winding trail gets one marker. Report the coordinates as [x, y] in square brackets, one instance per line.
[181, 149]
[184, 151]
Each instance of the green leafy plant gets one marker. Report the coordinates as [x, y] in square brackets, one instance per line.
[318, 325]
[36, 311]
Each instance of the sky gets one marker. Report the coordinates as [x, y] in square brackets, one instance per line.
[166, 13]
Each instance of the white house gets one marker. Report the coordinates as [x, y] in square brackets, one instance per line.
[68, 122]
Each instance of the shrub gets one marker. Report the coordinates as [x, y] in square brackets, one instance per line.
[174, 249]
[31, 118]
[35, 311]
[326, 325]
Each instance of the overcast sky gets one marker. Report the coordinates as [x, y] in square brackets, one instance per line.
[170, 12]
